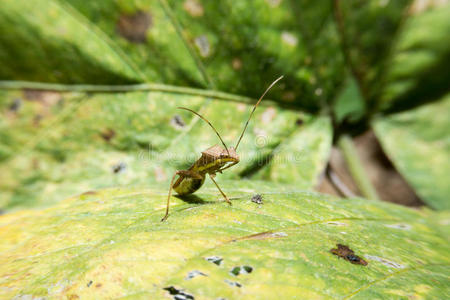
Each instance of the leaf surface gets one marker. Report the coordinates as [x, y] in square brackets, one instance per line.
[60, 144]
[227, 46]
[396, 50]
[418, 143]
[125, 251]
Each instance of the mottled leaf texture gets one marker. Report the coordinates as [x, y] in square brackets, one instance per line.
[111, 244]
[226, 45]
[418, 143]
[55, 145]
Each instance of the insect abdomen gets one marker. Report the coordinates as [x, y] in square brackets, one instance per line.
[189, 185]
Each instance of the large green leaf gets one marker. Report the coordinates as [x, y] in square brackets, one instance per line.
[55, 43]
[397, 50]
[420, 62]
[58, 144]
[229, 46]
[418, 143]
[111, 243]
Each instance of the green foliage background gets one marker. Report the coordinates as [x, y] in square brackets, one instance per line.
[117, 70]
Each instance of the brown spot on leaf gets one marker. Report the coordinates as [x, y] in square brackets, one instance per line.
[288, 96]
[46, 98]
[308, 60]
[35, 164]
[89, 193]
[73, 296]
[236, 63]
[98, 285]
[346, 253]
[262, 236]
[134, 27]
[108, 134]
[299, 122]
[194, 8]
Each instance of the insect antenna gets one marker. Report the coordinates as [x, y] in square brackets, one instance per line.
[204, 119]
[254, 107]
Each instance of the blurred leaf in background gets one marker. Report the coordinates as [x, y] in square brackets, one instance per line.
[59, 144]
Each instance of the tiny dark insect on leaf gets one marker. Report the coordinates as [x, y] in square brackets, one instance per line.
[258, 199]
[177, 122]
[348, 254]
[213, 160]
[120, 167]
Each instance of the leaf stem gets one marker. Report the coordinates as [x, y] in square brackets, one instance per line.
[356, 168]
[93, 88]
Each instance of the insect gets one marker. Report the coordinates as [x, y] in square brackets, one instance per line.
[213, 160]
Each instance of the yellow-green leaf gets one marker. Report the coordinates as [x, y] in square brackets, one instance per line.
[55, 145]
[111, 244]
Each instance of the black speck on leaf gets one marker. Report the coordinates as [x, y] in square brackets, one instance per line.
[178, 294]
[177, 122]
[120, 167]
[258, 199]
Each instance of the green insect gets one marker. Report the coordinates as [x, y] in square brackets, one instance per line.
[213, 160]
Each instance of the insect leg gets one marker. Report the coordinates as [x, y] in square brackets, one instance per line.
[168, 197]
[230, 165]
[220, 190]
